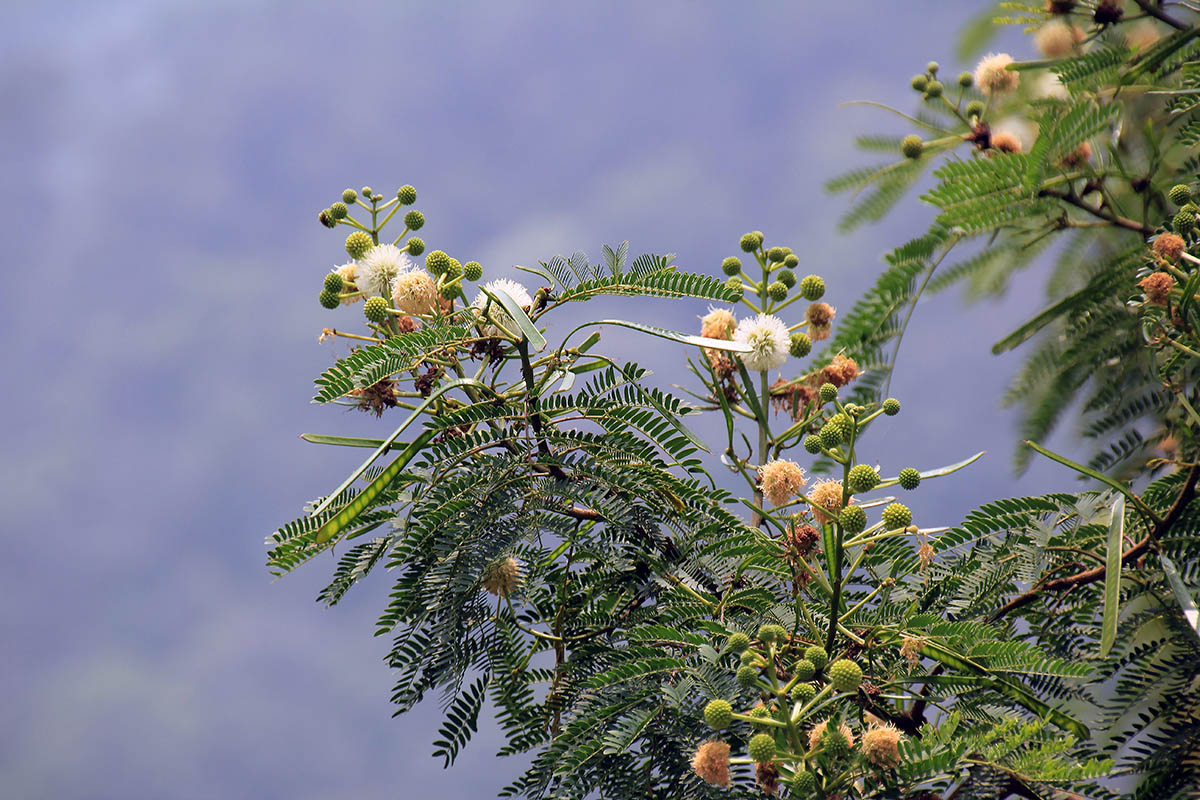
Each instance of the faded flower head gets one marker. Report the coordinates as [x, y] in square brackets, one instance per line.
[347, 272]
[414, 292]
[826, 498]
[839, 372]
[1157, 285]
[992, 77]
[1006, 142]
[718, 323]
[1169, 246]
[497, 313]
[711, 762]
[881, 746]
[382, 264]
[1057, 39]
[502, 577]
[910, 649]
[768, 340]
[1079, 156]
[926, 553]
[780, 480]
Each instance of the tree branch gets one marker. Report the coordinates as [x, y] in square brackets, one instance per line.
[1153, 10]
[1102, 213]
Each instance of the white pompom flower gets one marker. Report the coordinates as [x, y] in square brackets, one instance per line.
[496, 311]
[414, 292]
[768, 340]
[380, 267]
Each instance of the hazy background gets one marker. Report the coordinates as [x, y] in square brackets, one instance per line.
[163, 164]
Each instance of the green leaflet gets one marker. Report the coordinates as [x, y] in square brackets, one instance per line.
[528, 329]
[1186, 604]
[1112, 576]
[663, 333]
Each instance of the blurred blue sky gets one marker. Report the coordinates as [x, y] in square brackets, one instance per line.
[163, 166]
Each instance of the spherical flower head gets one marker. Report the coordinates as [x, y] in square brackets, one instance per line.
[414, 220]
[326, 219]
[910, 478]
[912, 146]
[975, 108]
[826, 498]
[896, 515]
[1057, 39]
[934, 89]
[820, 314]
[804, 669]
[349, 196]
[786, 277]
[830, 436]
[1005, 142]
[803, 692]
[812, 287]
[817, 655]
[804, 783]
[845, 675]
[338, 210]
[358, 243]
[502, 577]
[992, 75]
[472, 270]
[827, 392]
[718, 714]
[861, 478]
[966, 80]
[347, 272]
[747, 676]
[840, 371]
[1180, 194]
[843, 424]
[780, 480]
[375, 309]
[415, 245]
[761, 747]
[853, 519]
[333, 282]
[813, 444]
[768, 339]
[776, 255]
[1157, 286]
[407, 195]
[329, 299]
[711, 763]
[777, 291]
[718, 323]
[799, 345]
[454, 270]
[832, 739]
[881, 746]
[496, 311]
[1183, 221]
[414, 292]
[1168, 247]
[771, 633]
[751, 242]
[891, 406]
[437, 262]
[380, 267]
[749, 658]
[731, 265]
[738, 642]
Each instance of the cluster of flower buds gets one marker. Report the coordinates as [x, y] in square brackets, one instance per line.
[1168, 258]
[793, 733]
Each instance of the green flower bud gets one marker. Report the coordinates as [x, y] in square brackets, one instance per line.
[776, 255]
[738, 642]
[751, 242]
[734, 285]
[975, 108]
[414, 220]
[843, 425]
[804, 783]
[358, 243]
[771, 633]
[747, 676]
[375, 309]
[330, 299]
[845, 675]
[407, 195]
[761, 747]
[1179, 194]
[965, 80]
[376, 198]
[1191, 208]
[804, 669]
[718, 714]
[366, 192]
[912, 146]
[891, 406]
[791, 260]
[896, 515]
[801, 345]
[338, 210]
[817, 655]
[1183, 222]
[812, 287]
[919, 82]
[749, 658]
[830, 436]
[777, 291]
[326, 219]
[853, 519]
[803, 692]
[812, 444]
[349, 196]
[861, 478]
[827, 392]
[932, 67]
[333, 282]
[759, 713]
[455, 270]
[834, 742]
[450, 290]
[731, 265]
[437, 262]
[934, 90]
[786, 277]
[472, 270]
[415, 245]
[910, 478]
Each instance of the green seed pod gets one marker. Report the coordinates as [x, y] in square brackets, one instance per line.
[786, 277]
[817, 655]
[801, 345]
[912, 146]
[731, 265]
[349, 196]
[407, 195]
[776, 255]
[803, 692]
[437, 262]
[919, 82]
[812, 287]
[891, 406]
[330, 299]
[738, 642]
[718, 714]
[812, 444]
[975, 108]
[853, 519]
[472, 270]
[375, 309]
[934, 90]
[338, 210]
[827, 392]
[333, 282]
[1179, 194]
[750, 242]
[747, 676]
[910, 478]
[415, 245]
[896, 515]
[804, 669]
[761, 747]
[415, 220]
[777, 291]
[965, 80]
[357, 244]
[845, 675]
[861, 478]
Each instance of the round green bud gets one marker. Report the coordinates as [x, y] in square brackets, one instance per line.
[817, 655]
[416, 245]
[375, 198]
[437, 262]
[910, 478]
[734, 284]
[896, 515]
[749, 658]
[450, 290]
[718, 714]
[801, 345]
[751, 242]
[333, 282]
[771, 633]
[919, 82]
[812, 444]
[934, 89]
[827, 392]
[834, 742]
[776, 255]
[747, 676]
[853, 519]
[349, 196]
[731, 265]
[845, 675]
[455, 270]
[861, 478]
[407, 195]
[965, 79]
[891, 406]
[1183, 222]
[358, 243]
[804, 783]
[786, 277]
[338, 210]
[326, 219]
[932, 67]
[912, 146]
[375, 309]
[738, 642]
[366, 192]
[330, 299]
[414, 220]
[804, 669]
[812, 287]
[472, 270]
[758, 713]
[791, 260]
[777, 291]
[843, 424]
[1191, 208]
[1179, 194]
[975, 108]
[761, 747]
[830, 436]
[803, 692]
